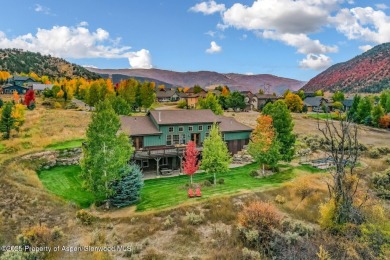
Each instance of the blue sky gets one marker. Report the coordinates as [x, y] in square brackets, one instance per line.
[295, 39]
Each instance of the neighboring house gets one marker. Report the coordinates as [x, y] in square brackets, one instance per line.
[248, 100]
[260, 100]
[167, 95]
[160, 137]
[315, 104]
[20, 80]
[38, 87]
[10, 88]
[347, 103]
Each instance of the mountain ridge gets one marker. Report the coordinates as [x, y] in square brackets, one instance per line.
[367, 72]
[206, 79]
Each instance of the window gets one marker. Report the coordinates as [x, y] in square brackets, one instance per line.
[175, 139]
[209, 127]
[181, 129]
[207, 134]
[223, 137]
[182, 139]
[190, 128]
[145, 163]
[200, 128]
[169, 139]
[171, 129]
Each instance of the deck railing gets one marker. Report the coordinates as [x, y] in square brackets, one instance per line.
[160, 152]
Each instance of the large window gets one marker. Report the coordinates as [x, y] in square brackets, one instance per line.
[169, 139]
[176, 139]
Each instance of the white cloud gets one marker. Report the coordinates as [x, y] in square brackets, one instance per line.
[364, 24]
[83, 24]
[214, 48]
[382, 6]
[284, 16]
[208, 8]
[89, 66]
[302, 42]
[42, 9]
[74, 42]
[141, 59]
[316, 62]
[365, 48]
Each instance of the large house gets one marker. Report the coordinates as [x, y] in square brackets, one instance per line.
[20, 80]
[257, 101]
[160, 137]
[316, 104]
[18, 84]
[170, 95]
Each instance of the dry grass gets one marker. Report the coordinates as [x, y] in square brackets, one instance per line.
[43, 127]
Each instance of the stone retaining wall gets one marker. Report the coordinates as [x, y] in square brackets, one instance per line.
[50, 159]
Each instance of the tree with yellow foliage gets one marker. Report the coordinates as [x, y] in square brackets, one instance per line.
[293, 102]
[4, 75]
[225, 92]
[18, 116]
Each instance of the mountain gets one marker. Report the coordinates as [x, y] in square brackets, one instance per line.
[368, 72]
[19, 61]
[207, 79]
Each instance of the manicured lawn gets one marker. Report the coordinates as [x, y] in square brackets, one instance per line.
[64, 182]
[65, 144]
[163, 193]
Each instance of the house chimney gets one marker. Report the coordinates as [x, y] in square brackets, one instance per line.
[159, 116]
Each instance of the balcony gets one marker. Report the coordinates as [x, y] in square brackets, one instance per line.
[158, 152]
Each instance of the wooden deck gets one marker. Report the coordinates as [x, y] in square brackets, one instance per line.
[160, 152]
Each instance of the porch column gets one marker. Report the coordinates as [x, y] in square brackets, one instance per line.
[158, 165]
[181, 163]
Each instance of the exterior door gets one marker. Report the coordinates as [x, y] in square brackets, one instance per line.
[138, 142]
[196, 138]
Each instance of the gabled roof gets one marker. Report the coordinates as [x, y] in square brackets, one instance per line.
[313, 101]
[138, 125]
[13, 85]
[266, 96]
[22, 78]
[229, 124]
[174, 117]
[165, 93]
[38, 86]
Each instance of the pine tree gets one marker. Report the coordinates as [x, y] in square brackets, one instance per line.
[7, 121]
[191, 164]
[216, 157]
[352, 112]
[105, 153]
[128, 188]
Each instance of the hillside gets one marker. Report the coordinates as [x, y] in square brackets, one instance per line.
[208, 78]
[19, 61]
[368, 72]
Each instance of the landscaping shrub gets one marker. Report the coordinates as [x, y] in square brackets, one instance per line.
[381, 184]
[374, 154]
[57, 105]
[168, 222]
[84, 217]
[182, 104]
[254, 173]
[248, 254]
[207, 183]
[280, 199]
[384, 150]
[221, 181]
[193, 218]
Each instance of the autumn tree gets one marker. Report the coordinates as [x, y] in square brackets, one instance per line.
[293, 102]
[263, 145]
[191, 164]
[18, 114]
[128, 90]
[283, 124]
[15, 97]
[105, 153]
[7, 121]
[376, 114]
[215, 155]
[319, 93]
[210, 102]
[29, 99]
[225, 91]
[384, 121]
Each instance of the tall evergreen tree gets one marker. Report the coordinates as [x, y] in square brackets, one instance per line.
[128, 188]
[352, 112]
[283, 124]
[105, 154]
[7, 121]
[215, 155]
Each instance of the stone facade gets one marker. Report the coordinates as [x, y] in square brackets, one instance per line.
[49, 159]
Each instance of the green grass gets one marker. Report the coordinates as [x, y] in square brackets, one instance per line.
[65, 144]
[64, 182]
[163, 193]
[2, 147]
